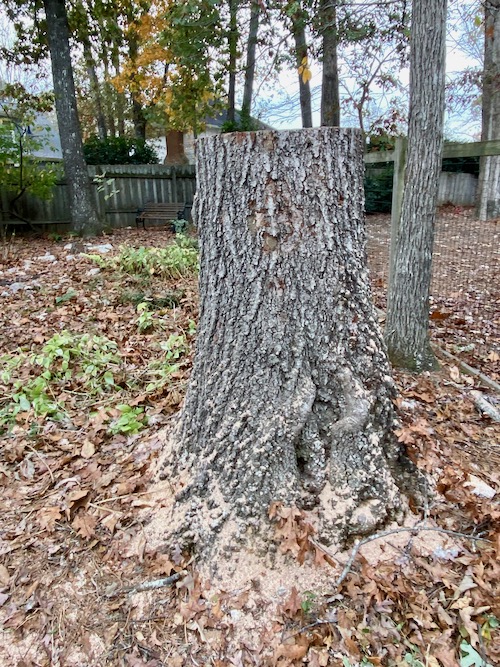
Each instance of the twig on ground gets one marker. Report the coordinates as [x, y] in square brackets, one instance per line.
[386, 533]
[483, 405]
[42, 461]
[467, 369]
[319, 621]
[133, 495]
[148, 585]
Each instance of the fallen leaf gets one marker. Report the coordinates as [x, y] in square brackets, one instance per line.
[88, 449]
[85, 524]
[4, 576]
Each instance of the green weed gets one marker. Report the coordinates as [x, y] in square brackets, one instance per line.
[160, 370]
[67, 362]
[145, 320]
[131, 420]
[176, 260]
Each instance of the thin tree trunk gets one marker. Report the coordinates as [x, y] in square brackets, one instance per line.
[109, 98]
[84, 216]
[299, 35]
[138, 117]
[233, 53]
[330, 95]
[246, 107]
[291, 397]
[95, 90]
[120, 101]
[488, 206]
[407, 324]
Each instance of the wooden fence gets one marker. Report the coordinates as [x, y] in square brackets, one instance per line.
[133, 185]
[119, 191]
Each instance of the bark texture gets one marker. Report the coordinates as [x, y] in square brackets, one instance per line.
[407, 324]
[290, 397]
[85, 220]
[489, 178]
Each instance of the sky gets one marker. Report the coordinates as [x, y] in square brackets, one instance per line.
[464, 50]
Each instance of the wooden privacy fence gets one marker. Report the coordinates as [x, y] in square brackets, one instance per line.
[119, 191]
[133, 185]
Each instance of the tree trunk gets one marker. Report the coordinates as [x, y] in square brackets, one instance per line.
[84, 216]
[120, 100]
[233, 55]
[407, 324]
[95, 89]
[175, 148]
[489, 178]
[291, 393]
[330, 96]
[246, 107]
[299, 35]
[138, 117]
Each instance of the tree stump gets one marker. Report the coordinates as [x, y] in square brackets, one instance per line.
[291, 394]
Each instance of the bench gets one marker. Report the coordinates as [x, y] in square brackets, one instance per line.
[160, 211]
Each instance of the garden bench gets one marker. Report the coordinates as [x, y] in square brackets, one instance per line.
[160, 211]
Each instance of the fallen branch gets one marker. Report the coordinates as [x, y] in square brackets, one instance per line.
[467, 369]
[485, 406]
[148, 585]
[386, 533]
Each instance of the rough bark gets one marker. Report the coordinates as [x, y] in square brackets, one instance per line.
[407, 323]
[246, 106]
[84, 216]
[330, 95]
[291, 393]
[488, 206]
[299, 35]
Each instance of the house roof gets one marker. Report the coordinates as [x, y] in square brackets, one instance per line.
[221, 118]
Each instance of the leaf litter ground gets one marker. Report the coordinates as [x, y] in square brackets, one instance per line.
[76, 493]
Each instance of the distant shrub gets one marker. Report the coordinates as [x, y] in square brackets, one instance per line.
[464, 165]
[378, 188]
[119, 150]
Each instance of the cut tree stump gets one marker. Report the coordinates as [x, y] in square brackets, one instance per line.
[291, 393]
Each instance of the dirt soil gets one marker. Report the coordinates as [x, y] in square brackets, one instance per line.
[76, 490]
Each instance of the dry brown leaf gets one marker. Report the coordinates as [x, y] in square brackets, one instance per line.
[4, 576]
[111, 520]
[47, 518]
[85, 525]
[88, 449]
[292, 604]
[292, 651]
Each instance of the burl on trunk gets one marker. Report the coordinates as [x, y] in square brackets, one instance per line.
[291, 394]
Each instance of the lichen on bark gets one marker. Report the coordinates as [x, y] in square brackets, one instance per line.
[291, 394]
